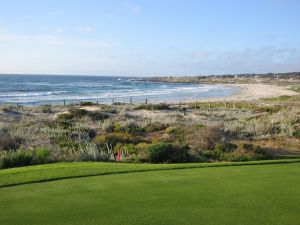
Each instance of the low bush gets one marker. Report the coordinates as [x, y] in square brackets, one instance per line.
[128, 126]
[297, 133]
[200, 139]
[242, 155]
[97, 116]
[47, 109]
[225, 147]
[130, 149]
[153, 107]
[86, 103]
[42, 155]
[91, 152]
[68, 119]
[142, 151]
[153, 127]
[9, 142]
[171, 130]
[116, 138]
[167, 153]
[17, 158]
[269, 109]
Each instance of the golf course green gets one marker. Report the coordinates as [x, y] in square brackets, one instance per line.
[116, 193]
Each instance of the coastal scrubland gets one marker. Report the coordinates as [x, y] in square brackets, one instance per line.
[198, 131]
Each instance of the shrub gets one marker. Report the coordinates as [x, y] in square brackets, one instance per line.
[219, 150]
[246, 152]
[142, 151]
[68, 119]
[155, 127]
[47, 109]
[153, 107]
[167, 153]
[171, 130]
[129, 126]
[86, 103]
[77, 113]
[91, 152]
[297, 133]
[42, 155]
[225, 147]
[200, 139]
[97, 116]
[129, 148]
[9, 142]
[115, 138]
[243, 155]
[17, 158]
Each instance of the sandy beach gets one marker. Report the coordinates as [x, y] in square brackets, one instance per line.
[254, 91]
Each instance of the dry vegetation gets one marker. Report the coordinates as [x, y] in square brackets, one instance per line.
[186, 132]
[235, 131]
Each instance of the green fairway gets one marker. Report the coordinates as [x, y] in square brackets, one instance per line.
[57, 171]
[260, 194]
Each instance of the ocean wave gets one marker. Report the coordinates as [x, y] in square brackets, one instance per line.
[70, 89]
[31, 94]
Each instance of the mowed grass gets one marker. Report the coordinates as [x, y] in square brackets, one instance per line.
[249, 194]
[57, 171]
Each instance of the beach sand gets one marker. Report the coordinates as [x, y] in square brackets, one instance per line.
[246, 92]
[249, 92]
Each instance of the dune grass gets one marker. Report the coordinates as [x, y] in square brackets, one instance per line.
[262, 194]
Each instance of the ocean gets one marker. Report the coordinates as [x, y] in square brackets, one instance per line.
[47, 89]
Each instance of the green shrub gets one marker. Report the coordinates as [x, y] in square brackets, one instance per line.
[225, 147]
[68, 119]
[116, 138]
[86, 103]
[269, 109]
[97, 116]
[153, 107]
[65, 120]
[17, 158]
[130, 149]
[42, 155]
[171, 130]
[167, 153]
[297, 133]
[128, 126]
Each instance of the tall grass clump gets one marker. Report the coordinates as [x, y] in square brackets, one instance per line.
[17, 158]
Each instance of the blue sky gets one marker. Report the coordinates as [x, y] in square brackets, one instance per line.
[150, 37]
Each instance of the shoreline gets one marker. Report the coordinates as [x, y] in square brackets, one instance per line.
[245, 92]
[249, 92]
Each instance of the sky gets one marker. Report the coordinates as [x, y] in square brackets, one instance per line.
[149, 37]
